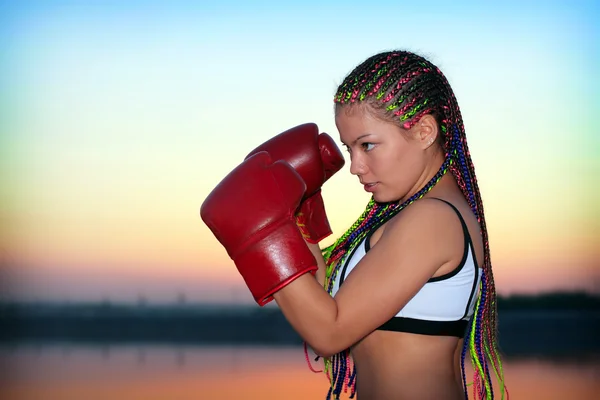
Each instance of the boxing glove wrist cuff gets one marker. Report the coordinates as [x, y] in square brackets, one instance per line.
[274, 261]
[312, 219]
[301, 223]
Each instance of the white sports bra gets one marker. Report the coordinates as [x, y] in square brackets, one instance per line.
[444, 305]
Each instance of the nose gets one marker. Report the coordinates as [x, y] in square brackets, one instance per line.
[357, 167]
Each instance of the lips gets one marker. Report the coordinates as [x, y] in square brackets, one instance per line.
[369, 187]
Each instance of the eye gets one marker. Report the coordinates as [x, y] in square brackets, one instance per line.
[367, 146]
[347, 148]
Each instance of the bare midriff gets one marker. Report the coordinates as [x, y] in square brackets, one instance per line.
[398, 365]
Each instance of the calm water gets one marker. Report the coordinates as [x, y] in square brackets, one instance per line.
[130, 372]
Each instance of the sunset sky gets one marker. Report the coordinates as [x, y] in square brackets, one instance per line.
[117, 118]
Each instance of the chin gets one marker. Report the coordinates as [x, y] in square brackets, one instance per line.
[382, 198]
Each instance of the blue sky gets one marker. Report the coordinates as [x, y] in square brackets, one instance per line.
[118, 118]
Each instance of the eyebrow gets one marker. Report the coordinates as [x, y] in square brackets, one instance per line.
[358, 138]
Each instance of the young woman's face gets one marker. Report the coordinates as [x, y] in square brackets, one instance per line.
[383, 157]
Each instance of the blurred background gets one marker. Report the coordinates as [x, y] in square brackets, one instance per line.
[119, 117]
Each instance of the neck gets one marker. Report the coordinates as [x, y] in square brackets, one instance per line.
[433, 167]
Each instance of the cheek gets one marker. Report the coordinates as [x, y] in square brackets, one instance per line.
[398, 158]
[405, 165]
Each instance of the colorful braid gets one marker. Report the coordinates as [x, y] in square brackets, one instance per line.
[403, 87]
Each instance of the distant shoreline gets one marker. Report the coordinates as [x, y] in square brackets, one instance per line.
[545, 301]
[557, 325]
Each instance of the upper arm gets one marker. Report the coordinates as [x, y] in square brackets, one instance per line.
[412, 248]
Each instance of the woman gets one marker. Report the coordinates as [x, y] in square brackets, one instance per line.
[409, 287]
[411, 280]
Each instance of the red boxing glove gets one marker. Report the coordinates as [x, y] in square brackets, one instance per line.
[251, 213]
[316, 158]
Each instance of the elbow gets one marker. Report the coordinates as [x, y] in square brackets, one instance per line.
[327, 346]
[331, 340]
[319, 349]
[324, 353]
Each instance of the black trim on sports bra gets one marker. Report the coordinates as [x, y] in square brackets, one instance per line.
[475, 281]
[343, 271]
[367, 244]
[426, 327]
[468, 243]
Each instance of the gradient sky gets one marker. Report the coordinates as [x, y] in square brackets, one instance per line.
[119, 117]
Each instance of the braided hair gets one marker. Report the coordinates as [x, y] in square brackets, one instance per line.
[401, 87]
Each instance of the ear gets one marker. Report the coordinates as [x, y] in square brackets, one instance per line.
[426, 131]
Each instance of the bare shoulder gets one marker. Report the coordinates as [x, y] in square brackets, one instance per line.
[428, 229]
[425, 216]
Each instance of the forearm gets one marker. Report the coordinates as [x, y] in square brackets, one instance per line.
[316, 251]
[311, 311]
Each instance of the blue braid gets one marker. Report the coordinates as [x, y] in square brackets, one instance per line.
[478, 331]
[341, 375]
[486, 365]
[462, 361]
[351, 382]
[460, 155]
